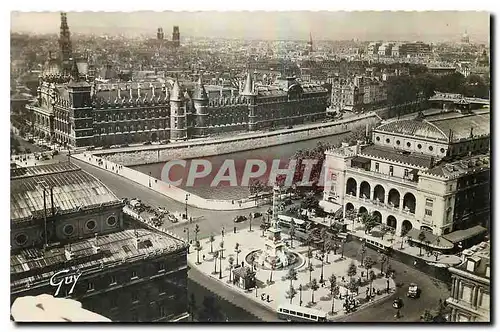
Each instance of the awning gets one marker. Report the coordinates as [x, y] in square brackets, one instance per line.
[464, 234]
[442, 243]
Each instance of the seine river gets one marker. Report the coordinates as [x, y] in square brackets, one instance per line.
[202, 187]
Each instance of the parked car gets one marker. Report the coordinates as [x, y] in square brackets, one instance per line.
[413, 291]
[172, 218]
[397, 304]
[163, 210]
[239, 219]
[147, 143]
[257, 215]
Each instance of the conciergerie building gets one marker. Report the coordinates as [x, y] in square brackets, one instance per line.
[428, 173]
[77, 112]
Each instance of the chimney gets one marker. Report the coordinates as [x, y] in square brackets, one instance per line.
[69, 253]
[95, 247]
[137, 240]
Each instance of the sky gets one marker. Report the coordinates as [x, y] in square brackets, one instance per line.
[323, 25]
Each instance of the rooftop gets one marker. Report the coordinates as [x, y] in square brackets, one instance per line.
[115, 249]
[73, 189]
[480, 254]
[419, 160]
[462, 166]
[463, 125]
[416, 128]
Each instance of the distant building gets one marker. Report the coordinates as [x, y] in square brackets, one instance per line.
[373, 47]
[385, 49]
[63, 220]
[465, 38]
[470, 286]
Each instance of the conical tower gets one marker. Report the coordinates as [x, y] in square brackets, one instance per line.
[178, 130]
[251, 99]
[200, 101]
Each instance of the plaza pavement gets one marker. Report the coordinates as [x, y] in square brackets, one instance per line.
[250, 241]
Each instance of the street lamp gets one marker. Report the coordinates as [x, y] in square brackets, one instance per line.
[149, 179]
[187, 196]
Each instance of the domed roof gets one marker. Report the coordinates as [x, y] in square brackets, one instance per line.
[52, 67]
[422, 129]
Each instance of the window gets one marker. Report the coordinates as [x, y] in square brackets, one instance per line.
[21, 239]
[134, 275]
[90, 286]
[307, 316]
[398, 142]
[431, 148]
[161, 289]
[484, 301]
[68, 229]
[377, 138]
[161, 267]
[292, 312]
[407, 173]
[419, 146]
[430, 202]
[134, 297]
[408, 144]
[428, 212]
[162, 311]
[111, 221]
[377, 167]
[112, 280]
[388, 141]
[466, 294]
[91, 225]
[391, 170]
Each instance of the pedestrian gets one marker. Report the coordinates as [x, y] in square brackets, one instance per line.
[203, 257]
[267, 297]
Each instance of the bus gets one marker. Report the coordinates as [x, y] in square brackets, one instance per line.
[286, 222]
[376, 244]
[295, 313]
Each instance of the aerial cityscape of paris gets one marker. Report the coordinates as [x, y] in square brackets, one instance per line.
[250, 166]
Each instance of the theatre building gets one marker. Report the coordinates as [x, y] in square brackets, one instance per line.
[426, 174]
[65, 222]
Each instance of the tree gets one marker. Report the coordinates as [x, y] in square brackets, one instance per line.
[300, 294]
[211, 239]
[192, 306]
[421, 238]
[382, 259]
[314, 287]
[291, 293]
[427, 316]
[291, 275]
[291, 232]
[335, 293]
[362, 252]
[309, 255]
[353, 285]
[369, 263]
[221, 246]
[220, 260]
[251, 260]
[369, 220]
[231, 262]
[216, 256]
[371, 277]
[237, 250]
[352, 270]
[196, 231]
[273, 265]
[198, 248]
[333, 287]
[321, 280]
[310, 268]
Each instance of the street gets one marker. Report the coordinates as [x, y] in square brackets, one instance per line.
[213, 221]
[432, 291]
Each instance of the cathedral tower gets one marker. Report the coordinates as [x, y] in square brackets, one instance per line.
[251, 99]
[65, 45]
[176, 37]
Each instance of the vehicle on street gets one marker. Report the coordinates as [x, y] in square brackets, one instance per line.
[172, 218]
[413, 291]
[239, 219]
[135, 203]
[256, 215]
[295, 313]
[163, 210]
[397, 303]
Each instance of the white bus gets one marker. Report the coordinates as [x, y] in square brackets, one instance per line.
[286, 222]
[295, 313]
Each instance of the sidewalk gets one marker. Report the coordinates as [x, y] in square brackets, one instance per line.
[277, 289]
[394, 242]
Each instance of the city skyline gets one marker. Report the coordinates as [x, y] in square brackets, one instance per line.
[425, 26]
